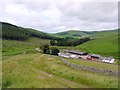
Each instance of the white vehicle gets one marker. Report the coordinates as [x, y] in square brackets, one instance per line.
[108, 60]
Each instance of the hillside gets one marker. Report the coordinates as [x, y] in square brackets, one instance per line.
[105, 43]
[14, 32]
[47, 71]
[14, 47]
[73, 34]
[21, 63]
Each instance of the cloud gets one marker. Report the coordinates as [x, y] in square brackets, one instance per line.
[54, 16]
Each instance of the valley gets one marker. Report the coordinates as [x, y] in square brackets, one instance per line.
[21, 62]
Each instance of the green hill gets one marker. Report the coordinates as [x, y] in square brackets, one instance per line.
[15, 47]
[73, 34]
[104, 43]
[21, 63]
[14, 32]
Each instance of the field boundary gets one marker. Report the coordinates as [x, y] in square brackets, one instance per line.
[89, 68]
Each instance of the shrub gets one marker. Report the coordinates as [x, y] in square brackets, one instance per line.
[54, 51]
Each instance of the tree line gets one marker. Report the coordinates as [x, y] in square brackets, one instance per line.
[69, 41]
[13, 32]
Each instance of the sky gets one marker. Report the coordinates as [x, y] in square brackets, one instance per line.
[53, 16]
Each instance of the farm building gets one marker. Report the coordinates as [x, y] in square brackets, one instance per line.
[77, 52]
[73, 56]
[109, 60]
[93, 57]
[66, 55]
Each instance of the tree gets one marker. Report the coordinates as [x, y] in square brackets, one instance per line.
[52, 42]
[54, 51]
[45, 48]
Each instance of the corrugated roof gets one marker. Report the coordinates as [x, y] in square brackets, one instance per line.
[95, 55]
[76, 52]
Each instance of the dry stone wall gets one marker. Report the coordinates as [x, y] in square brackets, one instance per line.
[92, 69]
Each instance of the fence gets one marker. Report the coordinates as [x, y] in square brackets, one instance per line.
[92, 69]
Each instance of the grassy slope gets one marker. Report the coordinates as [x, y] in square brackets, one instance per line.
[72, 33]
[46, 71]
[14, 32]
[94, 64]
[37, 70]
[13, 47]
[106, 44]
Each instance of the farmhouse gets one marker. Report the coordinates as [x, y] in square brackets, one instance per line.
[77, 53]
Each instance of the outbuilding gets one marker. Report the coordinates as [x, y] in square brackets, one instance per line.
[64, 55]
[93, 57]
[109, 60]
[77, 52]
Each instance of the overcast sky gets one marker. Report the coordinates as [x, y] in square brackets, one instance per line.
[60, 15]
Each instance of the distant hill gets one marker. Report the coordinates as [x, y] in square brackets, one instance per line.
[73, 34]
[104, 43]
[79, 34]
[14, 32]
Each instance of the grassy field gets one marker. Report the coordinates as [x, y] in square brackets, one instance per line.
[105, 44]
[13, 47]
[37, 70]
[99, 65]
[46, 71]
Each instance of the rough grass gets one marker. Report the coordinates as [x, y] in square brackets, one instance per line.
[99, 65]
[13, 47]
[46, 71]
[105, 44]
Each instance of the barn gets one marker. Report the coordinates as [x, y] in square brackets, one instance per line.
[77, 52]
[93, 57]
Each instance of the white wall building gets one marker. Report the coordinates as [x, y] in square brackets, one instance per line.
[108, 60]
[64, 55]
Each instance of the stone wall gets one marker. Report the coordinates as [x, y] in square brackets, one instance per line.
[92, 69]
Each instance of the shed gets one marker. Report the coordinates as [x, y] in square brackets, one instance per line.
[109, 60]
[77, 52]
[73, 56]
[64, 55]
[96, 56]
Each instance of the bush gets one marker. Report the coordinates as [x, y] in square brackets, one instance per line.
[54, 51]
[45, 48]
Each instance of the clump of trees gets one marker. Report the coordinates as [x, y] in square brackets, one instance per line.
[47, 50]
[53, 42]
[68, 41]
[54, 51]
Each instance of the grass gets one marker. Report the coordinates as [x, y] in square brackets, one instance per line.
[99, 65]
[36, 70]
[13, 47]
[46, 71]
[106, 44]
